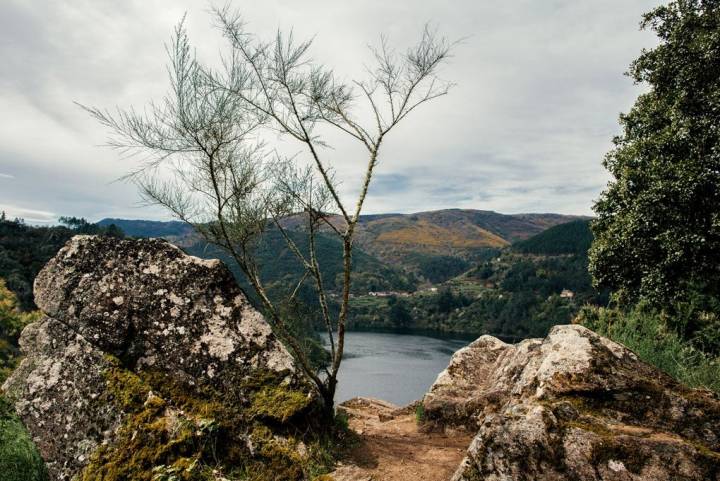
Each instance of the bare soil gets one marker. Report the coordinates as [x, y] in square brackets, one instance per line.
[392, 447]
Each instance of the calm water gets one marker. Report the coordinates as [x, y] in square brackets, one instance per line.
[395, 367]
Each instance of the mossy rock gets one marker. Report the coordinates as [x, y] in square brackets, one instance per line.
[19, 458]
[182, 432]
[153, 441]
[279, 403]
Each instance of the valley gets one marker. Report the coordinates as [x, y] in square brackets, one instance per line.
[452, 271]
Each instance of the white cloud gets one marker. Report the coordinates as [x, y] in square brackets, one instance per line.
[6, 176]
[29, 215]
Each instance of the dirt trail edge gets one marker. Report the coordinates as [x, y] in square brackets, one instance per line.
[391, 446]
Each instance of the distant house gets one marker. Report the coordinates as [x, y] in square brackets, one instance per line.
[388, 294]
[567, 294]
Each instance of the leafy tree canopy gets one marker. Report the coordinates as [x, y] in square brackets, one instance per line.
[657, 236]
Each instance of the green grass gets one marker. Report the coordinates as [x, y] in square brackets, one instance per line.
[643, 331]
[19, 459]
[420, 413]
[369, 302]
[468, 287]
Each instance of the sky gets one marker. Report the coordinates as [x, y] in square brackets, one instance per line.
[539, 88]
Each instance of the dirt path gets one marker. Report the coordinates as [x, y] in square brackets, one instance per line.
[391, 448]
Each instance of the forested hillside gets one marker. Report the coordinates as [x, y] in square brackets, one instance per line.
[517, 289]
[24, 250]
[519, 292]
[434, 246]
[569, 238]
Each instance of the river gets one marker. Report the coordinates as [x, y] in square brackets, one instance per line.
[398, 368]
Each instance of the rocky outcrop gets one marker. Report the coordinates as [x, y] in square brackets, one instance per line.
[573, 406]
[147, 357]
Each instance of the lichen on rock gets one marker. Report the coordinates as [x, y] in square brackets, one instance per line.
[151, 365]
[573, 406]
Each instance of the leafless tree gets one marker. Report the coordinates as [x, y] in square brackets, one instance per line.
[204, 160]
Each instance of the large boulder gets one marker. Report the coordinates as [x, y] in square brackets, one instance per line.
[573, 406]
[149, 303]
[145, 358]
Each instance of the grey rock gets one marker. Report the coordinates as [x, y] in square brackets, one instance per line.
[149, 303]
[574, 405]
[61, 395]
[147, 307]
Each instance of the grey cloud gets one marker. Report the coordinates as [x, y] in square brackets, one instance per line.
[539, 88]
[385, 184]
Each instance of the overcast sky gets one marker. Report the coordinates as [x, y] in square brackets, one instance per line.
[540, 85]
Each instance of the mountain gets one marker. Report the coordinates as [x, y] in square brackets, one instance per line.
[150, 228]
[454, 270]
[461, 233]
[418, 242]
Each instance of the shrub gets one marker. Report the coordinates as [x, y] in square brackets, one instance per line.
[644, 331]
[19, 459]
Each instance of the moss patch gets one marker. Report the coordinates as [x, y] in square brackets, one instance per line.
[177, 431]
[278, 403]
[155, 444]
[128, 390]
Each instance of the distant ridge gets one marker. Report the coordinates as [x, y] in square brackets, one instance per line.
[149, 228]
[401, 238]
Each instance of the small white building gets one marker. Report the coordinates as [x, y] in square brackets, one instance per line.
[567, 294]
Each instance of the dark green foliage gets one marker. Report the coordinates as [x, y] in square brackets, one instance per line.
[437, 269]
[19, 459]
[570, 238]
[12, 321]
[25, 249]
[549, 275]
[447, 301]
[658, 227]
[399, 314]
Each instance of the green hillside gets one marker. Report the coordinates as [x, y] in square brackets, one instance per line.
[517, 292]
[510, 289]
[281, 270]
[570, 238]
[432, 246]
